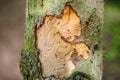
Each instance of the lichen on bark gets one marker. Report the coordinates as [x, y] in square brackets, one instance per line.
[91, 15]
[58, 42]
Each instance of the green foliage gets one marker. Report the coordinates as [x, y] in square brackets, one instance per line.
[112, 31]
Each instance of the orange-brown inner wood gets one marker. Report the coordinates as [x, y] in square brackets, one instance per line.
[56, 39]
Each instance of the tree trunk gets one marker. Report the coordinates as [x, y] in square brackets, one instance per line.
[62, 40]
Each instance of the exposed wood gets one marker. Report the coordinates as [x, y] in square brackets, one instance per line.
[57, 55]
[61, 38]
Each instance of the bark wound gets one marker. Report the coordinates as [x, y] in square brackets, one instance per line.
[57, 39]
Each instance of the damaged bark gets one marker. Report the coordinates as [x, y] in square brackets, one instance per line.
[59, 45]
[61, 39]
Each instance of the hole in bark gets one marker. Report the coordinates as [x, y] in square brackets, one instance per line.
[80, 76]
[96, 47]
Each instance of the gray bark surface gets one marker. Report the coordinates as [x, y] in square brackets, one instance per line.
[91, 14]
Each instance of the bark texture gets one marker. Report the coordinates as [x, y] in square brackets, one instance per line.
[90, 13]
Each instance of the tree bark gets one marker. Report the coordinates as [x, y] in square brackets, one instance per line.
[87, 14]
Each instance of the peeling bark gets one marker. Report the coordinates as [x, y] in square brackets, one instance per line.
[62, 45]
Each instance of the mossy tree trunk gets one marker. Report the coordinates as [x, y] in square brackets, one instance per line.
[90, 13]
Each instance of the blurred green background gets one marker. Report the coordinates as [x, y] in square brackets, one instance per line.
[111, 40]
[12, 27]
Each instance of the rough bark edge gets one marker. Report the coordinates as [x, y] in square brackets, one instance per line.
[28, 52]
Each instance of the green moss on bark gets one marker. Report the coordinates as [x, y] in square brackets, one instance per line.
[91, 15]
[80, 76]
